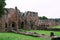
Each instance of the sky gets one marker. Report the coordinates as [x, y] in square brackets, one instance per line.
[48, 8]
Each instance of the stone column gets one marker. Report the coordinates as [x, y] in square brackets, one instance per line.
[16, 27]
[9, 26]
[3, 27]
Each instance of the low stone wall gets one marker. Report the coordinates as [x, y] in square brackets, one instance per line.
[51, 29]
[34, 34]
[28, 33]
[55, 38]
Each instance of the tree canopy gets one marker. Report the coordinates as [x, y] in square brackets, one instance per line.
[2, 5]
[43, 17]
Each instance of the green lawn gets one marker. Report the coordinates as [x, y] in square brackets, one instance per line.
[56, 27]
[13, 36]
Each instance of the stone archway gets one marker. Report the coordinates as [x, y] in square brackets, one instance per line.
[13, 26]
[22, 25]
[5, 26]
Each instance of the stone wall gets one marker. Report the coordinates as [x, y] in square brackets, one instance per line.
[43, 24]
[14, 19]
[30, 20]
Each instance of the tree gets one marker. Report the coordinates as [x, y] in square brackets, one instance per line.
[40, 17]
[43, 17]
[2, 5]
[57, 19]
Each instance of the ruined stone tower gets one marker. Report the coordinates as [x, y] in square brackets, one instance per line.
[14, 19]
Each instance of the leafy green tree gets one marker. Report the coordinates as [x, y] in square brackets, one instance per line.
[43, 17]
[40, 17]
[2, 5]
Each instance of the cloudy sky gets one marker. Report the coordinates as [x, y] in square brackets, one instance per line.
[48, 8]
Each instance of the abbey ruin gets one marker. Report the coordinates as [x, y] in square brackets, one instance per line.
[14, 20]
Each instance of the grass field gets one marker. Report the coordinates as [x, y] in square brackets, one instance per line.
[56, 27]
[14, 36]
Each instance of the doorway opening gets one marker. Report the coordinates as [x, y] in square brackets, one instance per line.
[13, 26]
[22, 25]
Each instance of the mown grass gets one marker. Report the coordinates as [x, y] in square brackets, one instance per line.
[14, 36]
[56, 27]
